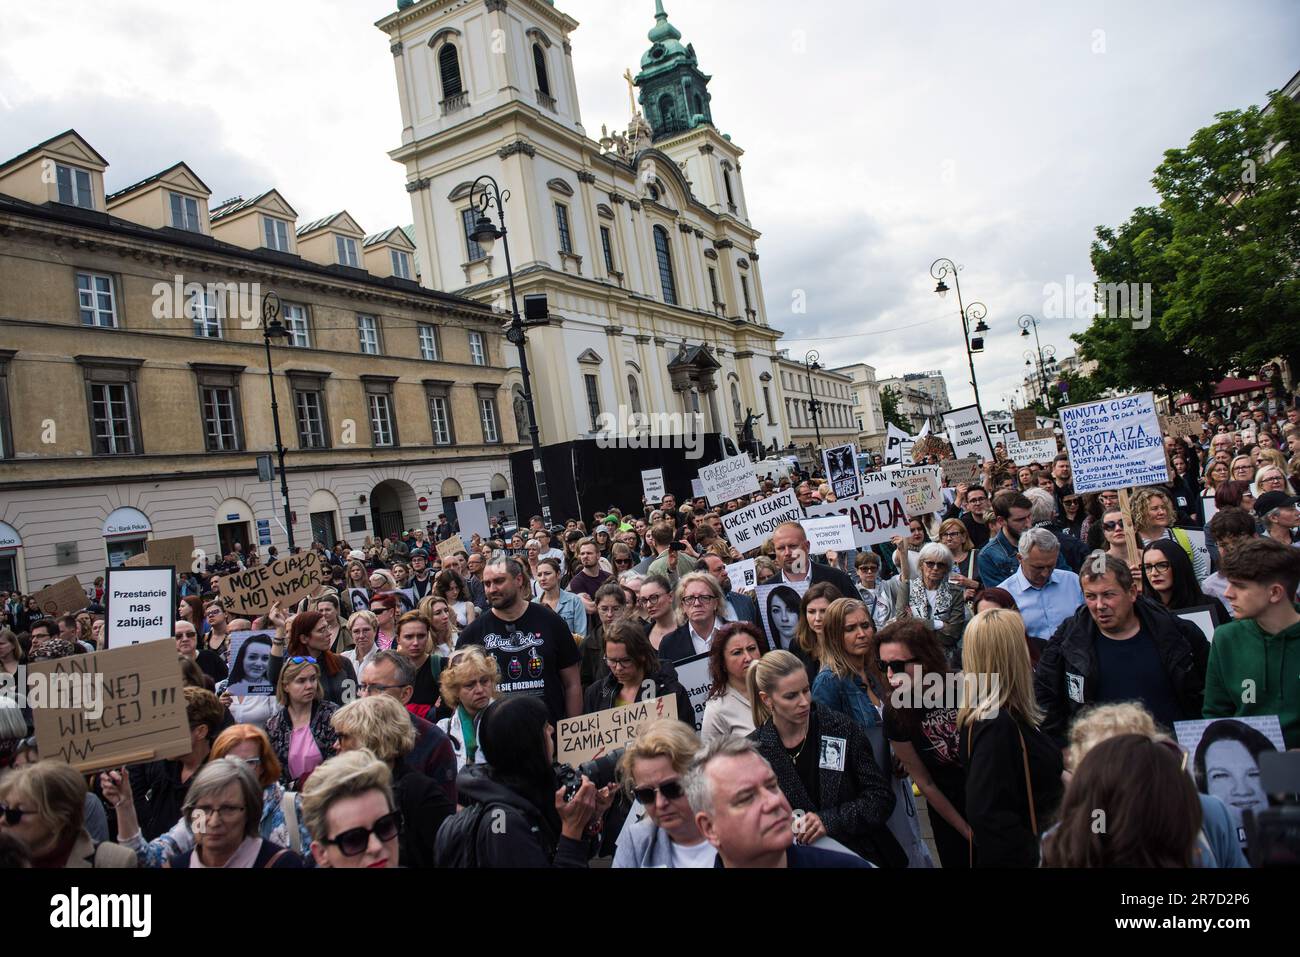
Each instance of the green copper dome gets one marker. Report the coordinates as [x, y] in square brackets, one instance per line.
[674, 92]
[666, 42]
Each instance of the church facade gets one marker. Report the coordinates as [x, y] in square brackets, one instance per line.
[640, 240]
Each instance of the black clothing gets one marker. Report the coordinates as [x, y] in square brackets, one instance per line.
[159, 795]
[424, 807]
[531, 652]
[211, 664]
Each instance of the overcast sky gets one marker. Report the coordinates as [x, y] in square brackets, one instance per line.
[878, 136]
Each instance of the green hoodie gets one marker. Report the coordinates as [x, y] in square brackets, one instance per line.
[1242, 652]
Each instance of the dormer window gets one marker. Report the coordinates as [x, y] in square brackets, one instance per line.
[275, 234]
[74, 186]
[185, 213]
[347, 251]
[401, 264]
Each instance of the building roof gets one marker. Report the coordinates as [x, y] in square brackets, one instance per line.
[44, 143]
[154, 178]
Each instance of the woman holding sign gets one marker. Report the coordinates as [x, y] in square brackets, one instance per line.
[635, 672]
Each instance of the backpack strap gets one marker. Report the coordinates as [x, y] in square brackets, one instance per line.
[1029, 783]
[275, 857]
[289, 805]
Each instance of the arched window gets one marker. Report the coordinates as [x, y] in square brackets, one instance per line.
[666, 110]
[735, 404]
[726, 181]
[665, 256]
[699, 105]
[539, 64]
[634, 393]
[449, 70]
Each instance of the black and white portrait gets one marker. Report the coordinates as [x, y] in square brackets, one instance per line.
[250, 663]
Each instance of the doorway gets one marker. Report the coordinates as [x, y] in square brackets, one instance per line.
[231, 533]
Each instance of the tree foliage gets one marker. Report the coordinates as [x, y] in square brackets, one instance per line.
[890, 411]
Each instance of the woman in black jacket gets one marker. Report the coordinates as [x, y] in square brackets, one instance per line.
[1013, 769]
[635, 672]
[515, 812]
[822, 761]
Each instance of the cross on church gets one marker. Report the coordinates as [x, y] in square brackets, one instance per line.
[631, 90]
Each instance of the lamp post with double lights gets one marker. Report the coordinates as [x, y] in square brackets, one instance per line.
[1045, 355]
[484, 194]
[975, 312]
[273, 328]
[811, 364]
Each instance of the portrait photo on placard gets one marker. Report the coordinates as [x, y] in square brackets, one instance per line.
[778, 606]
[250, 663]
[1224, 760]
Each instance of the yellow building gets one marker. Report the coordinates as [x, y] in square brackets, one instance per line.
[134, 395]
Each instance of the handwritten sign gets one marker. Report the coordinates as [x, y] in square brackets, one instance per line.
[743, 575]
[1180, 426]
[1025, 419]
[139, 605]
[966, 430]
[130, 707]
[875, 518]
[697, 488]
[920, 487]
[829, 533]
[1042, 451]
[451, 546]
[749, 527]
[61, 597]
[961, 471]
[693, 675]
[286, 580]
[728, 479]
[1033, 435]
[930, 445]
[652, 484]
[1115, 443]
[594, 735]
[137, 561]
[176, 552]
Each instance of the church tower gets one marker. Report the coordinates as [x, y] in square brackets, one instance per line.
[674, 93]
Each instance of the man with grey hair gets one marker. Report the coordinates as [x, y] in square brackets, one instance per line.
[1046, 595]
[1044, 513]
[741, 810]
[390, 673]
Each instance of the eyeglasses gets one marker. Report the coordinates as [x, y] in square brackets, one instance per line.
[898, 666]
[953, 534]
[935, 564]
[671, 790]
[618, 662]
[697, 599]
[1158, 568]
[376, 688]
[12, 815]
[354, 841]
[1112, 526]
[223, 811]
[301, 660]
[649, 599]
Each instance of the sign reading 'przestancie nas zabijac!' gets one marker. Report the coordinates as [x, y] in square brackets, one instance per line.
[286, 580]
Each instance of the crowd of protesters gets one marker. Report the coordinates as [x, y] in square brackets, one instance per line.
[417, 694]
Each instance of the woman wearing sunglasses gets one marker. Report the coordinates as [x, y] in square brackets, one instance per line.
[349, 809]
[44, 805]
[1112, 530]
[300, 732]
[651, 771]
[936, 599]
[1168, 578]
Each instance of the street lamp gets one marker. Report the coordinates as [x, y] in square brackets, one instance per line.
[811, 365]
[976, 312]
[1045, 355]
[273, 328]
[485, 233]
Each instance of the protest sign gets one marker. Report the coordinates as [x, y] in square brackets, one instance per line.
[451, 546]
[749, 527]
[137, 561]
[1042, 451]
[841, 464]
[130, 708]
[743, 575]
[1025, 419]
[285, 580]
[966, 431]
[250, 656]
[697, 488]
[1197, 538]
[1209, 506]
[931, 445]
[895, 440]
[1180, 426]
[693, 676]
[830, 533]
[176, 552]
[139, 605]
[1202, 616]
[778, 607]
[471, 518]
[1115, 443]
[728, 479]
[961, 471]
[593, 735]
[652, 484]
[1034, 435]
[920, 487]
[1231, 746]
[875, 518]
[61, 597]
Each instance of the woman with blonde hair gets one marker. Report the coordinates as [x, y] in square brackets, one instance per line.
[44, 806]
[469, 684]
[1013, 770]
[822, 761]
[1271, 478]
[652, 771]
[300, 732]
[349, 809]
[442, 631]
[1153, 519]
[699, 601]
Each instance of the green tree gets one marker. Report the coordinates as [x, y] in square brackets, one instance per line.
[889, 409]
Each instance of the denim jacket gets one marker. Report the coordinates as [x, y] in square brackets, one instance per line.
[846, 695]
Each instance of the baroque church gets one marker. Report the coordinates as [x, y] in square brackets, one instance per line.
[641, 240]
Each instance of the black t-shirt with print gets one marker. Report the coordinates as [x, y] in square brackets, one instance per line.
[530, 652]
[936, 742]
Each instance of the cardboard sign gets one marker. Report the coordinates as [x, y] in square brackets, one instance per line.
[830, 533]
[1025, 419]
[139, 605]
[1033, 435]
[697, 488]
[743, 575]
[875, 518]
[286, 580]
[841, 463]
[1115, 443]
[1180, 426]
[62, 597]
[652, 484]
[176, 552]
[749, 527]
[1196, 536]
[728, 479]
[930, 445]
[897, 445]
[920, 487]
[593, 735]
[135, 710]
[137, 561]
[471, 517]
[966, 430]
[693, 676]
[961, 471]
[1042, 451]
[451, 546]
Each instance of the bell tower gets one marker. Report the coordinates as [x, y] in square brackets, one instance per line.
[674, 92]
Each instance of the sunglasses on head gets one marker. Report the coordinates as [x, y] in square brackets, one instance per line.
[355, 840]
[671, 790]
[302, 660]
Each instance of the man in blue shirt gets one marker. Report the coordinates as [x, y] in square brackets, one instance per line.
[1046, 595]
[999, 559]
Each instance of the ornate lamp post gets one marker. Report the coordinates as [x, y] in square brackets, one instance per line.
[975, 312]
[1046, 356]
[811, 364]
[273, 328]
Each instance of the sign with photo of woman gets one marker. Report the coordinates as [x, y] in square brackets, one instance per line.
[1224, 760]
[250, 656]
[778, 606]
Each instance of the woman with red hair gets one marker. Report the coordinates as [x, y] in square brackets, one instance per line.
[309, 635]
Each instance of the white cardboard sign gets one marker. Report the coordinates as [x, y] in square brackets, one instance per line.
[743, 575]
[139, 605]
[831, 533]
[749, 527]
[875, 518]
[652, 483]
[1115, 443]
[966, 433]
[728, 479]
[1039, 450]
